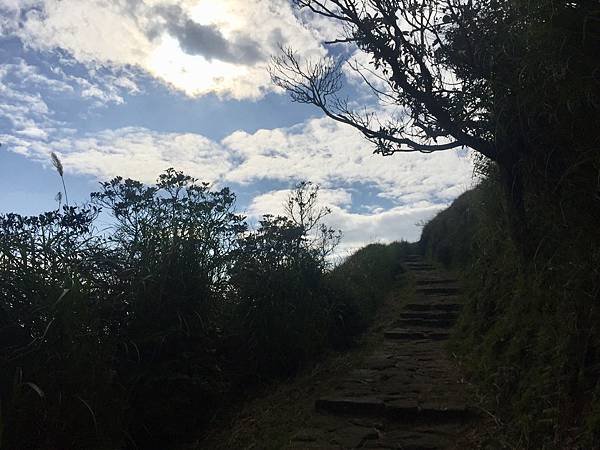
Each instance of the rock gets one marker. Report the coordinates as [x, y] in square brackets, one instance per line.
[355, 405]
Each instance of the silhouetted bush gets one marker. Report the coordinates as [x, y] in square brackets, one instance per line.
[133, 337]
[281, 309]
[358, 286]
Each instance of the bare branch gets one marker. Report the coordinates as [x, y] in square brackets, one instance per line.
[404, 39]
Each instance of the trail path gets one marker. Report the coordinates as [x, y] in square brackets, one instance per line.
[407, 394]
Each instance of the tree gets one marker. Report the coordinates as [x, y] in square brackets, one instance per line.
[452, 66]
[303, 210]
[514, 80]
[408, 44]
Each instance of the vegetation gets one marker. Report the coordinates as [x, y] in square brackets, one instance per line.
[135, 336]
[272, 418]
[514, 80]
[529, 335]
[517, 82]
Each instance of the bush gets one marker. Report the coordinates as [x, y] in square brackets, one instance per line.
[134, 337]
[358, 286]
[56, 352]
[281, 314]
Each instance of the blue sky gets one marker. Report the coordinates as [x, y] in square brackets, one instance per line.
[132, 87]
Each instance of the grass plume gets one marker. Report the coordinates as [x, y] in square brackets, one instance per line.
[56, 162]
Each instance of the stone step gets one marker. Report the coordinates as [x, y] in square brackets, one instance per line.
[438, 290]
[415, 334]
[341, 432]
[412, 265]
[431, 281]
[368, 406]
[427, 439]
[407, 409]
[431, 323]
[436, 306]
[422, 269]
[429, 412]
[430, 315]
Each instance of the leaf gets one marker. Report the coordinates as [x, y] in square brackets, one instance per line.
[64, 292]
[91, 412]
[36, 388]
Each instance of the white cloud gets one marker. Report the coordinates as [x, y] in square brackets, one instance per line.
[33, 132]
[317, 150]
[133, 152]
[19, 79]
[330, 153]
[394, 224]
[28, 75]
[198, 47]
[26, 90]
[379, 225]
[273, 202]
[22, 109]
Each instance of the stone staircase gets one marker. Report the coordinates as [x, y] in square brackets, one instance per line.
[407, 393]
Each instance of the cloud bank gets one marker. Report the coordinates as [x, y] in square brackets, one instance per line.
[318, 150]
[198, 47]
[102, 50]
[402, 190]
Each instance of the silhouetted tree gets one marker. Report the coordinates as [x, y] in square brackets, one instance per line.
[302, 209]
[514, 80]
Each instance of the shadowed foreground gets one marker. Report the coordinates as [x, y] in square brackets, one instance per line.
[407, 394]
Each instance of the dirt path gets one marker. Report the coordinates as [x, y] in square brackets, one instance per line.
[405, 394]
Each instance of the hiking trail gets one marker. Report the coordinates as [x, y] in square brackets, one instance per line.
[407, 393]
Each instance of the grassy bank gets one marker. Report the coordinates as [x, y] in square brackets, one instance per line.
[529, 334]
[274, 414]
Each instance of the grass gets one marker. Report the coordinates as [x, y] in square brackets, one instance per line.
[127, 332]
[528, 335]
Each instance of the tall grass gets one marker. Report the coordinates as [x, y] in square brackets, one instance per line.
[57, 163]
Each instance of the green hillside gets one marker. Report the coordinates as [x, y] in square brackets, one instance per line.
[529, 335]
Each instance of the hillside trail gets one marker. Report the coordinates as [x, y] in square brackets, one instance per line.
[407, 393]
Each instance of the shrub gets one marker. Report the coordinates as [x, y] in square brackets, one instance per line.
[133, 337]
[281, 311]
[56, 343]
[358, 286]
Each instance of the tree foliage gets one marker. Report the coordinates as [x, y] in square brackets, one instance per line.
[459, 71]
[514, 80]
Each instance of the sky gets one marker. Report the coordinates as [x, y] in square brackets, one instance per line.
[132, 87]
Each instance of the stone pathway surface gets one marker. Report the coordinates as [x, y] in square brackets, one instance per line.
[407, 394]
